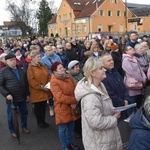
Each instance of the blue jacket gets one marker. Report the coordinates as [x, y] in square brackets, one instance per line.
[49, 60]
[116, 89]
[140, 135]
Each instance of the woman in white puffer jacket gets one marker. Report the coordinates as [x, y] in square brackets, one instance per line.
[99, 122]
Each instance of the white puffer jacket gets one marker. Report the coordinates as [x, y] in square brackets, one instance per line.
[99, 126]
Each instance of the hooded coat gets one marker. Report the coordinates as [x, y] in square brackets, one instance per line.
[140, 124]
[133, 69]
[99, 126]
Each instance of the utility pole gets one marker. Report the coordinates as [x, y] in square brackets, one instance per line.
[126, 17]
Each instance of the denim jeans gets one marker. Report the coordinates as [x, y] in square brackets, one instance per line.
[132, 100]
[23, 113]
[66, 133]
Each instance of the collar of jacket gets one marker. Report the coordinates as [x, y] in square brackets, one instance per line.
[65, 76]
[145, 119]
[110, 71]
[138, 55]
[36, 64]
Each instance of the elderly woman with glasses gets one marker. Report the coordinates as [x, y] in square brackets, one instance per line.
[62, 87]
[99, 121]
[133, 69]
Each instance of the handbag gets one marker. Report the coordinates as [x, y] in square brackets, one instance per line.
[77, 111]
[133, 84]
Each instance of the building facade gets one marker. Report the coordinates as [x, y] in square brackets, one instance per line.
[81, 18]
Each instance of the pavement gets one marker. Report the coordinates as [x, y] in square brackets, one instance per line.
[40, 139]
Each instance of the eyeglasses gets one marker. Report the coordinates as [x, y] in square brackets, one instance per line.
[130, 48]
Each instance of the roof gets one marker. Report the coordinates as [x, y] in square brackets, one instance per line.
[77, 4]
[144, 11]
[89, 8]
[10, 23]
[133, 5]
[53, 20]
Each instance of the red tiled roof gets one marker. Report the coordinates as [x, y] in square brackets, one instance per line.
[53, 20]
[10, 23]
[89, 9]
[77, 4]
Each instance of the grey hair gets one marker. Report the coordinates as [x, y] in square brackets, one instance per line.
[137, 46]
[147, 105]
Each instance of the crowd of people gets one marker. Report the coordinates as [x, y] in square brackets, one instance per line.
[87, 79]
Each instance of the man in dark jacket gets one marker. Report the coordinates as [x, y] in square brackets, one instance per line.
[114, 85]
[72, 52]
[132, 39]
[14, 87]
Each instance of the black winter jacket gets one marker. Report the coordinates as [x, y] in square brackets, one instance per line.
[9, 84]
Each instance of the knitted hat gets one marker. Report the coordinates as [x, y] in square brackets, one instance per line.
[114, 46]
[72, 64]
[54, 66]
[9, 56]
[17, 49]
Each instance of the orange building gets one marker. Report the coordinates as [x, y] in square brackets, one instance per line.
[80, 18]
[141, 21]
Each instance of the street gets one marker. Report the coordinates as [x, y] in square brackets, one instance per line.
[39, 139]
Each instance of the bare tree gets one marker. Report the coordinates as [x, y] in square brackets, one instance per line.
[21, 14]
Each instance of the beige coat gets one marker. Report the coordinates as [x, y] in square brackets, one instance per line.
[99, 126]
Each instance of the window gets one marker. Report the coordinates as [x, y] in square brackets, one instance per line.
[60, 31]
[121, 27]
[109, 13]
[64, 16]
[84, 29]
[99, 27]
[118, 13]
[60, 17]
[125, 14]
[114, 1]
[70, 15]
[101, 12]
[133, 27]
[78, 29]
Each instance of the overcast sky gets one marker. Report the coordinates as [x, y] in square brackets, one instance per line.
[4, 15]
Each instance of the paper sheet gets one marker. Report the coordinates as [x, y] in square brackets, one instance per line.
[122, 108]
[48, 85]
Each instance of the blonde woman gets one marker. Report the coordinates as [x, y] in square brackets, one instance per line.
[38, 77]
[99, 122]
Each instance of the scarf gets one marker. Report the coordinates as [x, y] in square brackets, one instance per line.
[18, 57]
[63, 76]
